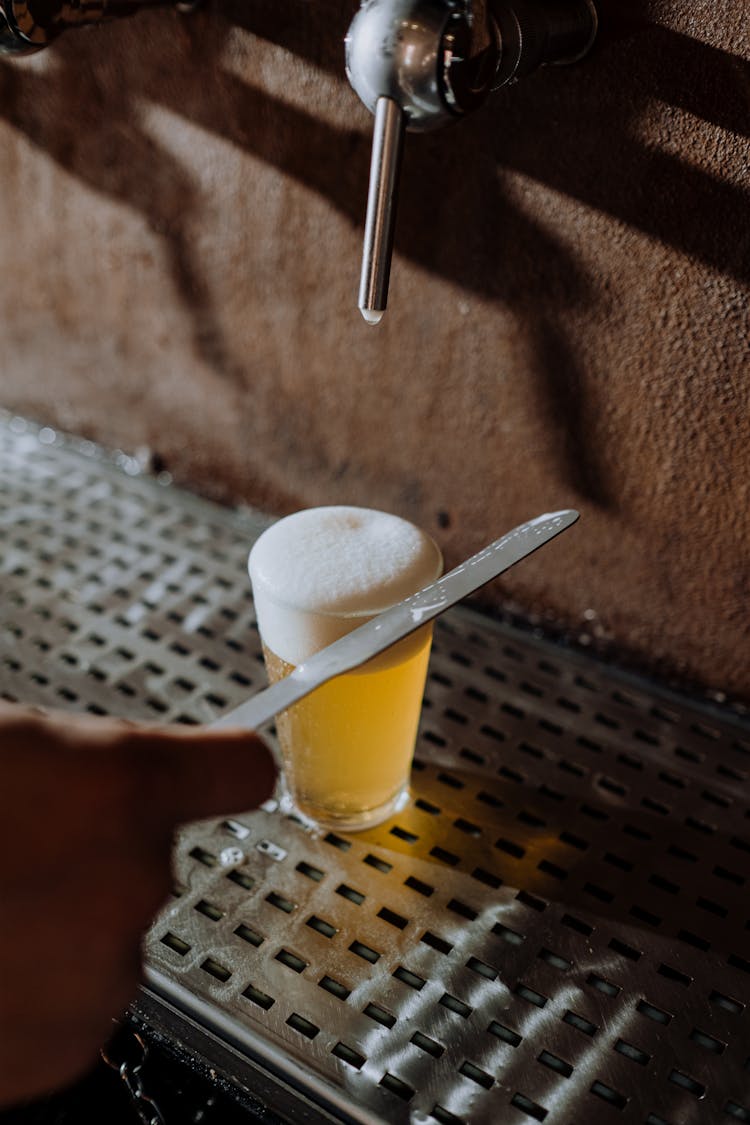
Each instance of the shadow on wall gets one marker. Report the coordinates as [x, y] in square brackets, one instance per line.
[87, 118]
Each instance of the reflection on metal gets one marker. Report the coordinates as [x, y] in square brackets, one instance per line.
[555, 929]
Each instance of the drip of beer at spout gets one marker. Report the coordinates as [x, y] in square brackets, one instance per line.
[387, 146]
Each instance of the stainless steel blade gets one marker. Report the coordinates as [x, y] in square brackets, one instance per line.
[396, 623]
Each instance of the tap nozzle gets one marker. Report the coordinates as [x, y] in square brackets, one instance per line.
[387, 146]
[420, 64]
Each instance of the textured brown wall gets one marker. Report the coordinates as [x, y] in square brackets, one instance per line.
[182, 209]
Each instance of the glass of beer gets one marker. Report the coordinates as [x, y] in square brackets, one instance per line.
[316, 575]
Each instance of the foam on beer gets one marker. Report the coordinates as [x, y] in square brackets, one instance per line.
[319, 573]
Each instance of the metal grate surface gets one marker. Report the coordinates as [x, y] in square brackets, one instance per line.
[555, 930]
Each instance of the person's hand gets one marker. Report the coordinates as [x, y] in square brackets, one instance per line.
[87, 813]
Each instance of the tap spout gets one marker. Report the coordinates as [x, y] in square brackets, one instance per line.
[421, 64]
[387, 146]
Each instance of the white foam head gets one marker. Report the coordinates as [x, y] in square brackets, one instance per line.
[320, 573]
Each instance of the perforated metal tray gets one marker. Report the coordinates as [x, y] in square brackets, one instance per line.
[555, 930]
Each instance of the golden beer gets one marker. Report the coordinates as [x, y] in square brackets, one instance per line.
[347, 747]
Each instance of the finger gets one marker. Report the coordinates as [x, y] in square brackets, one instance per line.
[190, 774]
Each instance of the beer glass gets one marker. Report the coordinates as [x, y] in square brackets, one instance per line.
[316, 575]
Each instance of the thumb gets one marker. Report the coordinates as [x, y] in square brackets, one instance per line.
[190, 773]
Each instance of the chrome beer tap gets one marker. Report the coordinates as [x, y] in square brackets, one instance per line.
[28, 25]
[420, 64]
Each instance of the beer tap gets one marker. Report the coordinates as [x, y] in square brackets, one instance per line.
[420, 64]
[28, 25]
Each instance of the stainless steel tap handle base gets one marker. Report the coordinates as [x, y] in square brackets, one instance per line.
[387, 146]
[535, 33]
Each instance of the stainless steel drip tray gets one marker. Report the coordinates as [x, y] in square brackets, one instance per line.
[554, 930]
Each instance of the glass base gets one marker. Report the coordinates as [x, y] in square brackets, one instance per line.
[324, 818]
